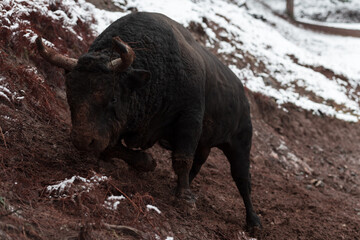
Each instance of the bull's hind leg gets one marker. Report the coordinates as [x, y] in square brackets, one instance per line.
[238, 154]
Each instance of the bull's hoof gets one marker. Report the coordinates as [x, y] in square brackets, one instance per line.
[145, 163]
[185, 194]
[186, 200]
[253, 221]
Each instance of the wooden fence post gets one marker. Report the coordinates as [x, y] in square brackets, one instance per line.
[290, 8]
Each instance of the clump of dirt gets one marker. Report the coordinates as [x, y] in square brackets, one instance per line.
[198, 31]
[305, 168]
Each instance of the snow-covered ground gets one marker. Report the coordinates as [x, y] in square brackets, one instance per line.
[335, 53]
[6, 94]
[334, 11]
[330, 11]
[13, 12]
[285, 50]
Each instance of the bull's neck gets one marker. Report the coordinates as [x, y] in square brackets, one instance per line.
[140, 112]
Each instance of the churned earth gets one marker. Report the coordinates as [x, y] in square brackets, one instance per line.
[305, 167]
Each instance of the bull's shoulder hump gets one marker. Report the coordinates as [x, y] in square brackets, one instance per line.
[144, 17]
[133, 27]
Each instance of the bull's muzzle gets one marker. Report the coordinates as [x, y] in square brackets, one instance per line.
[87, 142]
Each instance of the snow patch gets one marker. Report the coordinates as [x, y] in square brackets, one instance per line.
[157, 237]
[74, 185]
[6, 94]
[112, 202]
[151, 207]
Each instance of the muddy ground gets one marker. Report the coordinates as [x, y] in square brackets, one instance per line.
[305, 172]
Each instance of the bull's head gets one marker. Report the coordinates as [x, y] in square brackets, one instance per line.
[98, 90]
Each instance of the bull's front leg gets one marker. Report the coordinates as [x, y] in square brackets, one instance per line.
[185, 140]
[137, 159]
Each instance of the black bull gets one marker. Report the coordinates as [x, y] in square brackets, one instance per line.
[166, 87]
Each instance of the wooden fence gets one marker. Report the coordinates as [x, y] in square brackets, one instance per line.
[319, 27]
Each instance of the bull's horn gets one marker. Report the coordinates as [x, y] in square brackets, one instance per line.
[127, 55]
[55, 58]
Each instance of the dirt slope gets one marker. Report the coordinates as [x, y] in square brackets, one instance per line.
[305, 170]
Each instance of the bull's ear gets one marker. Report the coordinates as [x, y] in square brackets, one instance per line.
[137, 78]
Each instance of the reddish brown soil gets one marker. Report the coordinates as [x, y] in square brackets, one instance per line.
[305, 174]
